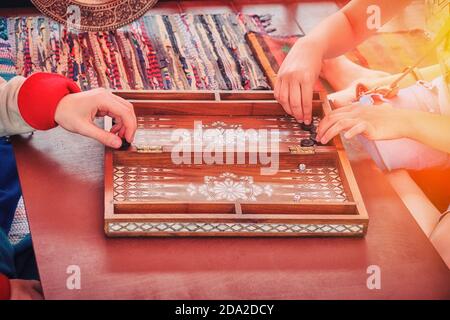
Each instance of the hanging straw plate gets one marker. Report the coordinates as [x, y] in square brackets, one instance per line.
[94, 15]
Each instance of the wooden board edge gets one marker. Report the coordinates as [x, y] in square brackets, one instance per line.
[244, 218]
[346, 166]
[108, 185]
[353, 185]
[233, 229]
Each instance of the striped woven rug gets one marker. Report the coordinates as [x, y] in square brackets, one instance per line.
[7, 66]
[181, 51]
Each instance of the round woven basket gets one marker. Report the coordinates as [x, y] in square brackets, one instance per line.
[94, 15]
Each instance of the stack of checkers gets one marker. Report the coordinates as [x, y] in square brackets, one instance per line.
[312, 130]
[180, 52]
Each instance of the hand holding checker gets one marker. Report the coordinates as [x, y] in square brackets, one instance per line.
[76, 113]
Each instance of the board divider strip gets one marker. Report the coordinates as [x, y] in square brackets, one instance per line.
[200, 208]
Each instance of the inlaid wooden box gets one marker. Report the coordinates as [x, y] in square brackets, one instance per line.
[165, 184]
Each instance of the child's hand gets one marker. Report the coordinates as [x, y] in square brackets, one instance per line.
[76, 112]
[380, 122]
[25, 290]
[296, 79]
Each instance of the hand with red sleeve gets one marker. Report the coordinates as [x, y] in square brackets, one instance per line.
[76, 113]
[45, 100]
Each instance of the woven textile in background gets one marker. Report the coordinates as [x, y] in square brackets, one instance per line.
[270, 51]
[181, 51]
[7, 65]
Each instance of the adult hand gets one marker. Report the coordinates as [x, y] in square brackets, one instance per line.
[76, 113]
[379, 122]
[297, 77]
[25, 290]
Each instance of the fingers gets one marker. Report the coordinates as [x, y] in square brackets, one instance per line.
[307, 96]
[107, 138]
[283, 96]
[115, 128]
[342, 98]
[76, 113]
[122, 132]
[327, 122]
[119, 130]
[122, 113]
[122, 101]
[352, 119]
[129, 105]
[295, 95]
[336, 128]
[336, 115]
[359, 128]
[276, 90]
[277, 94]
[295, 100]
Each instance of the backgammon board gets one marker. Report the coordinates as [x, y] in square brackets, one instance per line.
[228, 163]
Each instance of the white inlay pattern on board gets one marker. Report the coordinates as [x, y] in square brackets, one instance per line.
[222, 126]
[230, 187]
[235, 227]
[142, 183]
[152, 131]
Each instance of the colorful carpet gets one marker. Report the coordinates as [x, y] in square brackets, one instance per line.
[156, 52]
[7, 66]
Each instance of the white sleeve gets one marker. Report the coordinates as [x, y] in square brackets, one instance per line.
[11, 122]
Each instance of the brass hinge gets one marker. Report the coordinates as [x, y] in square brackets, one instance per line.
[149, 149]
[302, 150]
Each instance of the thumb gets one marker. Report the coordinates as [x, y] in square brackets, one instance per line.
[107, 138]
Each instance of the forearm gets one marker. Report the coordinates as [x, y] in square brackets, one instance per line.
[333, 37]
[345, 29]
[428, 128]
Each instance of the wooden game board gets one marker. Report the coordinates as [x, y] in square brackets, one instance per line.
[313, 192]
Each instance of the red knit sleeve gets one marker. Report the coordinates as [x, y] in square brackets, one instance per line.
[39, 96]
[5, 289]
